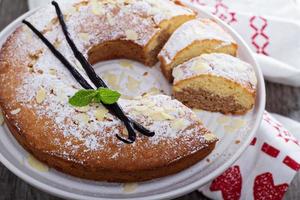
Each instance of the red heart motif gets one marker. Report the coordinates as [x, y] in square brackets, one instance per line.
[264, 188]
[230, 183]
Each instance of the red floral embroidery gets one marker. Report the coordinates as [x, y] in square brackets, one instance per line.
[270, 150]
[230, 184]
[264, 188]
[260, 39]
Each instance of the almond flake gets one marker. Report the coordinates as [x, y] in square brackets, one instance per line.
[132, 83]
[100, 113]
[238, 123]
[223, 120]
[97, 7]
[126, 63]
[112, 80]
[16, 111]
[140, 108]
[83, 109]
[229, 129]
[198, 67]
[40, 95]
[209, 137]
[131, 35]
[52, 72]
[130, 187]
[160, 116]
[153, 91]
[125, 132]
[179, 124]
[82, 118]
[1, 118]
[84, 36]
[37, 165]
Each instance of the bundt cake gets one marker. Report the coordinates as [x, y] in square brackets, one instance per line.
[36, 87]
[192, 39]
[216, 82]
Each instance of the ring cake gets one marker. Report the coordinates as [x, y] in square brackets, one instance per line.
[35, 88]
[192, 39]
[216, 82]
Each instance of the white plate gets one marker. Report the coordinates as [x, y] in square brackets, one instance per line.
[235, 133]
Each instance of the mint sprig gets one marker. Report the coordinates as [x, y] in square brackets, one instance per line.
[85, 97]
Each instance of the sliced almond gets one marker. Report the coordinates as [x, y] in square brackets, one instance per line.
[238, 123]
[160, 116]
[126, 63]
[112, 80]
[125, 132]
[223, 120]
[131, 35]
[83, 109]
[16, 111]
[132, 84]
[153, 91]
[197, 68]
[1, 118]
[179, 124]
[209, 137]
[97, 8]
[100, 113]
[229, 129]
[40, 95]
[82, 118]
[52, 72]
[84, 36]
[37, 165]
[140, 108]
[130, 187]
[57, 43]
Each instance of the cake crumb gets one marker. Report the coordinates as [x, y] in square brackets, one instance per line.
[16, 111]
[145, 74]
[237, 142]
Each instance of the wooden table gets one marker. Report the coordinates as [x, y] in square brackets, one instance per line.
[281, 99]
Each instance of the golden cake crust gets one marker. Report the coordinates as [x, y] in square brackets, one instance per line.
[34, 98]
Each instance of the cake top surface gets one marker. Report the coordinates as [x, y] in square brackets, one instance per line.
[217, 64]
[134, 20]
[36, 88]
[191, 31]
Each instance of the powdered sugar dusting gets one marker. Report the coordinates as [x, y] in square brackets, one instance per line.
[81, 128]
[191, 31]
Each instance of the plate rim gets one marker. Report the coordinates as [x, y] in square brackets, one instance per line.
[171, 194]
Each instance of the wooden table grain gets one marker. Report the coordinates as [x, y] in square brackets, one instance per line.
[281, 99]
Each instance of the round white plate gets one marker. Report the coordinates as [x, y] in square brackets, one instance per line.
[234, 132]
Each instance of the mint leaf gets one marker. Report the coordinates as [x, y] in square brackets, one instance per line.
[82, 98]
[107, 96]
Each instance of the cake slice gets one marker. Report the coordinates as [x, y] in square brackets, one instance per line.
[216, 82]
[192, 39]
